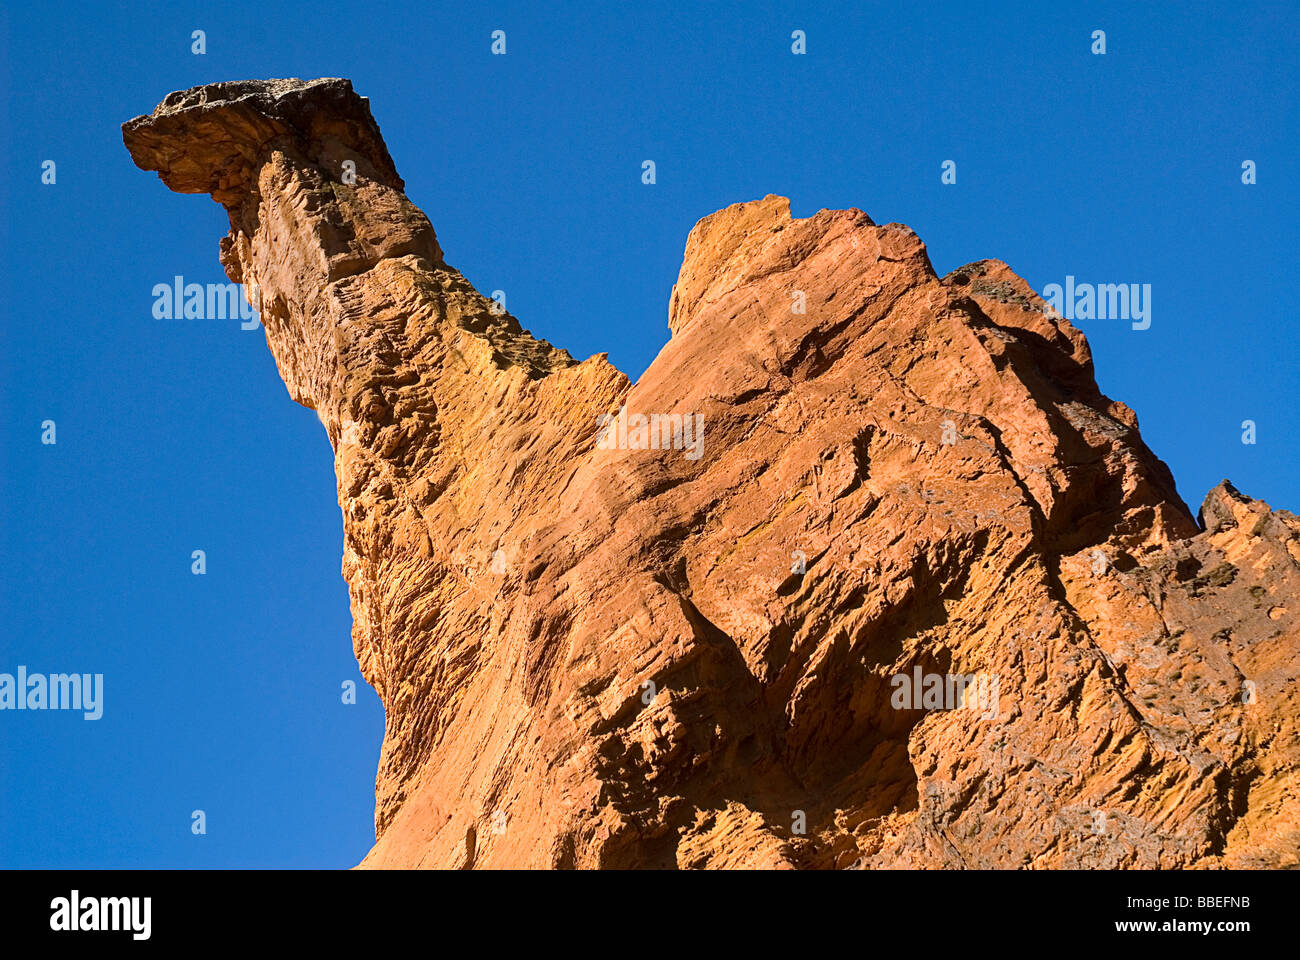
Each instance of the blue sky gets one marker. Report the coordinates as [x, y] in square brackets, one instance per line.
[222, 691]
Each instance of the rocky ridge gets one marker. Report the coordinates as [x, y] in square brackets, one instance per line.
[596, 653]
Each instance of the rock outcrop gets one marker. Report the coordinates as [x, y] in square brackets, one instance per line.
[730, 626]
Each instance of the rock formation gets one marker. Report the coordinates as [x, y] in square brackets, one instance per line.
[710, 637]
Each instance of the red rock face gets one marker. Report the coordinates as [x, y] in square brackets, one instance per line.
[735, 633]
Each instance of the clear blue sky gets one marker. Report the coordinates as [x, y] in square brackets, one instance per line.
[222, 691]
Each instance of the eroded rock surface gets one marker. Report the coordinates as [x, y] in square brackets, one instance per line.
[598, 655]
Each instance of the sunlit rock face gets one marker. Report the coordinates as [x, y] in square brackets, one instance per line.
[863, 571]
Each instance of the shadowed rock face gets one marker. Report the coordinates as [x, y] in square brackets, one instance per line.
[598, 652]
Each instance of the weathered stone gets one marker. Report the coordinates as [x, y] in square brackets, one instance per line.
[594, 655]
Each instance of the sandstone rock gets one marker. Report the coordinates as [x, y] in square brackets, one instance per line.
[593, 655]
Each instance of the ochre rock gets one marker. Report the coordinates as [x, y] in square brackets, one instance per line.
[594, 655]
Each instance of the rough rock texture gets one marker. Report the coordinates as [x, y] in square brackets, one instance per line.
[597, 657]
